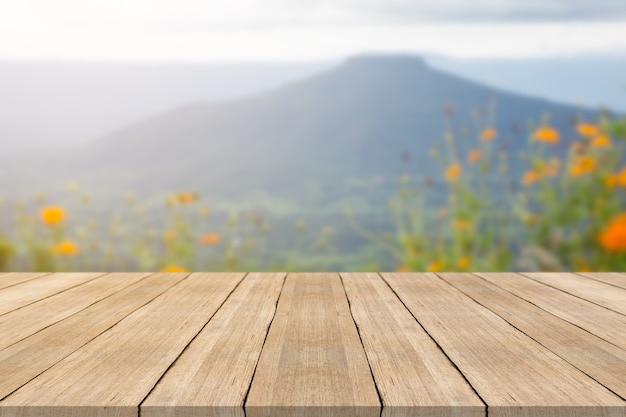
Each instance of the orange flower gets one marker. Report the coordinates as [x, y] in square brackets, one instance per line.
[601, 141]
[546, 134]
[463, 262]
[461, 224]
[435, 266]
[453, 172]
[51, 216]
[442, 212]
[530, 177]
[474, 156]
[210, 239]
[584, 165]
[613, 237]
[187, 198]
[402, 268]
[488, 134]
[585, 129]
[617, 179]
[174, 268]
[170, 235]
[65, 248]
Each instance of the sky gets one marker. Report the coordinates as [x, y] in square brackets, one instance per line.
[305, 30]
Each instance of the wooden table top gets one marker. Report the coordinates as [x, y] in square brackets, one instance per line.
[312, 344]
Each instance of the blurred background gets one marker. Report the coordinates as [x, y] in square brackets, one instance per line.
[312, 135]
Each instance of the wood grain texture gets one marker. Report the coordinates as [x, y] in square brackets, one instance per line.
[588, 289]
[23, 322]
[513, 374]
[313, 363]
[33, 290]
[114, 372]
[612, 278]
[212, 376]
[24, 360]
[604, 362]
[413, 376]
[604, 323]
[9, 279]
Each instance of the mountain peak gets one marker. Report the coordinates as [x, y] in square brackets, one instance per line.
[386, 60]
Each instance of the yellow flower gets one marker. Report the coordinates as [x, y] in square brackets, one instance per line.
[170, 235]
[546, 134]
[601, 141]
[474, 156]
[52, 215]
[585, 129]
[453, 172]
[584, 165]
[463, 262]
[435, 266]
[530, 177]
[174, 268]
[65, 248]
[613, 237]
[210, 239]
[402, 268]
[488, 134]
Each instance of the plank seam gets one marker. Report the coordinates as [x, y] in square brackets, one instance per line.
[83, 309]
[439, 346]
[89, 341]
[28, 280]
[52, 295]
[267, 332]
[597, 280]
[574, 295]
[552, 314]
[536, 341]
[380, 398]
[187, 345]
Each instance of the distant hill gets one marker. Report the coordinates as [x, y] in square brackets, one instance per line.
[309, 138]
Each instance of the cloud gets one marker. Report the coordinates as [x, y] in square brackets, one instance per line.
[202, 15]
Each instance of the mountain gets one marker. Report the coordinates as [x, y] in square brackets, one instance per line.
[306, 141]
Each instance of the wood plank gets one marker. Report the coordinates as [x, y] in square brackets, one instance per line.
[114, 372]
[24, 360]
[612, 278]
[588, 289]
[13, 278]
[212, 376]
[606, 324]
[413, 376]
[33, 290]
[312, 363]
[513, 374]
[23, 322]
[604, 362]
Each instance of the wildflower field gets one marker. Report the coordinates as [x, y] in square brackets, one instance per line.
[564, 213]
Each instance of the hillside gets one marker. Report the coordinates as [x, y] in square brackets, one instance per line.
[350, 123]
